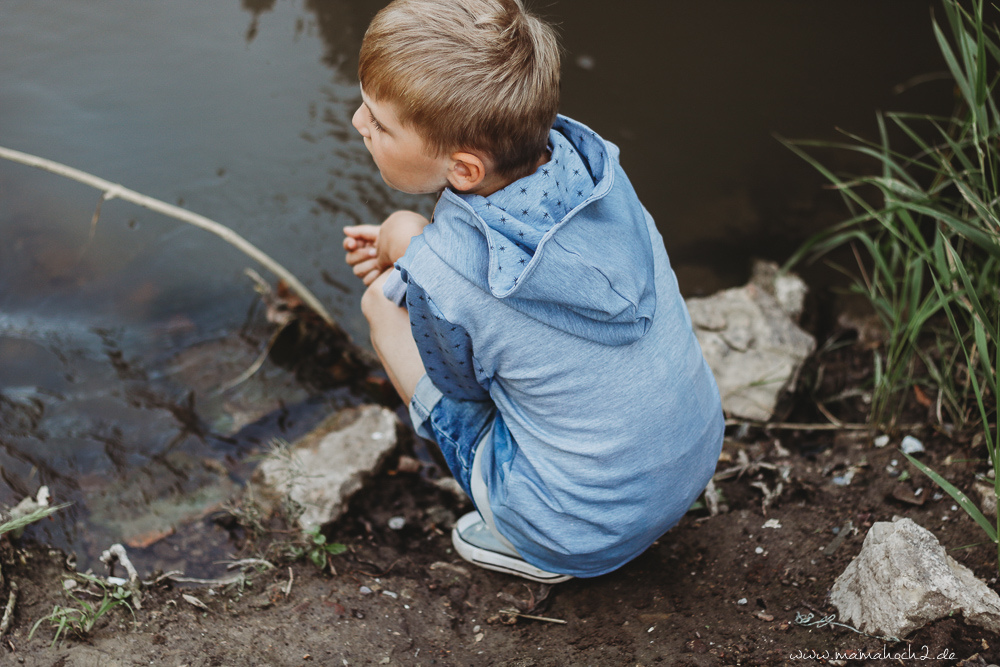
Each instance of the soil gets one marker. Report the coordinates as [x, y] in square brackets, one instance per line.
[748, 586]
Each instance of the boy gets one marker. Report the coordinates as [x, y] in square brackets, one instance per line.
[534, 327]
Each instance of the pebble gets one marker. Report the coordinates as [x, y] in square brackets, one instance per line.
[759, 550]
[394, 596]
[772, 523]
[741, 601]
[881, 441]
[911, 445]
[397, 522]
[364, 590]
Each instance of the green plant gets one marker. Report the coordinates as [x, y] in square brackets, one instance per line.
[316, 548]
[80, 620]
[928, 248]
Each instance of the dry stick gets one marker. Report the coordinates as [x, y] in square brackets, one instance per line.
[113, 190]
[798, 427]
[8, 612]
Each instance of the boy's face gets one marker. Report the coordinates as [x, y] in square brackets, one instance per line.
[399, 152]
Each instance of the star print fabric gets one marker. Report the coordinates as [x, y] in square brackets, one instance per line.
[446, 349]
[518, 216]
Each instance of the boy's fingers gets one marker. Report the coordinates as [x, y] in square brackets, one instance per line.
[362, 232]
[360, 255]
[362, 269]
[371, 276]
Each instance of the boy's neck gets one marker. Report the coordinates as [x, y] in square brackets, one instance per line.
[495, 183]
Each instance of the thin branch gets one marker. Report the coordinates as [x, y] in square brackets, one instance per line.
[113, 190]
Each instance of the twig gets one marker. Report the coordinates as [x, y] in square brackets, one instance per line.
[791, 426]
[246, 562]
[514, 612]
[288, 586]
[224, 581]
[8, 612]
[113, 190]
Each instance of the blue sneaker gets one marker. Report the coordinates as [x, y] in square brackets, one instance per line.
[476, 543]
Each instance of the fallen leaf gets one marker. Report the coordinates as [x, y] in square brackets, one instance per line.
[190, 599]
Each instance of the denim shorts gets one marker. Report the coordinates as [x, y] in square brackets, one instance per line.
[456, 426]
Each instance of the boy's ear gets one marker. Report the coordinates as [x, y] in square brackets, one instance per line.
[467, 172]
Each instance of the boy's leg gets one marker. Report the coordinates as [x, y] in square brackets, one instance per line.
[392, 339]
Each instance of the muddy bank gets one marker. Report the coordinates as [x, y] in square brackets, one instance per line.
[746, 587]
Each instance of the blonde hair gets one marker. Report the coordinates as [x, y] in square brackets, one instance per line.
[468, 75]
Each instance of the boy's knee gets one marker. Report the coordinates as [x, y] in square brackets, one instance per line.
[404, 217]
[374, 302]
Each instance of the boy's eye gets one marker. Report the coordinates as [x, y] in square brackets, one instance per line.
[375, 123]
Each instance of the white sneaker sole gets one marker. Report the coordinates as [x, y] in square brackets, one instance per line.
[491, 560]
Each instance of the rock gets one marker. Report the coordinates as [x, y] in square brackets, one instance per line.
[322, 470]
[750, 339]
[903, 579]
[987, 499]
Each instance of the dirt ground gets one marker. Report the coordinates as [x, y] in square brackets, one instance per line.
[748, 586]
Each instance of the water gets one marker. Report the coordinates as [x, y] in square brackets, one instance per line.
[113, 342]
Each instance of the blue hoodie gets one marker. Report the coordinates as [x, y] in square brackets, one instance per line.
[553, 298]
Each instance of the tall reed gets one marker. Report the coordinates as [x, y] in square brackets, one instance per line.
[926, 230]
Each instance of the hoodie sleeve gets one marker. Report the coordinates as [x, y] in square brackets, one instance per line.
[445, 348]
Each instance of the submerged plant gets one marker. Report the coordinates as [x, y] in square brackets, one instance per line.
[929, 248]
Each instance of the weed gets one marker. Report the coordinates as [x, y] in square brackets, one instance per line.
[80, 620]
[316, 549]
[16, 525]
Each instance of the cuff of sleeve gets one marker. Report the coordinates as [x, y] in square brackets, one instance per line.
[425, 397]
[394, 288]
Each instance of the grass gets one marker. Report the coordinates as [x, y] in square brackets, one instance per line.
[81, 618]
[925, 231]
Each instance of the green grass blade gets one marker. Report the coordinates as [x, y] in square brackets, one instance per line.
[963, 500]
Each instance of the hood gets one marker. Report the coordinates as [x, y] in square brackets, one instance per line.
[568, 245]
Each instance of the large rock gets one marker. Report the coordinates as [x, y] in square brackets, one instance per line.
[903, 579]
[751, 340]
[321, 471]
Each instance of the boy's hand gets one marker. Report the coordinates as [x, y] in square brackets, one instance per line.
[360, 243]
[372, 249]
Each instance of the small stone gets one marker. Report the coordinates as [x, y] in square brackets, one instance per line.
[911, 445]
[772, 523]
[397, 523]
[759, 550]
[390, 594]
[741, 601]
[479, 637]
[69, 584]
[881, 441]
[364, 590]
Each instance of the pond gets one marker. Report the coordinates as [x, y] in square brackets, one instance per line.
[117, 339]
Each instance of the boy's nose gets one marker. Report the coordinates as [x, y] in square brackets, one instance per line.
[358, 121]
